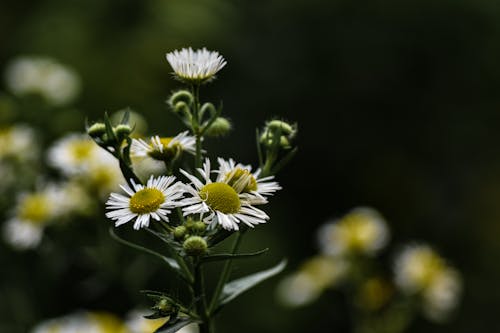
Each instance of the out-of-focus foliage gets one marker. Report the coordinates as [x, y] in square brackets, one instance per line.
[399, 109]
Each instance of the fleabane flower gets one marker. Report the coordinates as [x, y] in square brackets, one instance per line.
[222, 203]
[241, 178]
[73, 154]
[79, 322]
[195, 66]
[362, 231]
[419, 270]
[164, 149]
[18, 142]
[56, 83]
[32, 213]
[145, 202]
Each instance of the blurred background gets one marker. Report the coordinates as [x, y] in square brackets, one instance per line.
[398, 109]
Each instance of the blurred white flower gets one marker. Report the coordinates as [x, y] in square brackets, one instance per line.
[22, 234]
[56, 83]
[363, 230]
[82, 322]
[18, 142]
[195, 66]
[314, 276]
[419, 270]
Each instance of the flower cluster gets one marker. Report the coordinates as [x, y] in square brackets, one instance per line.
[350, 261]
[184, 200]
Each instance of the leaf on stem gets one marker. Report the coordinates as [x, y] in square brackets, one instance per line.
[235, 288]
[170, 262]
[227, 256]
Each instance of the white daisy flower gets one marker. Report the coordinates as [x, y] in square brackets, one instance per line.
[223, 203]
[363, 230]
[241, 178]
[18, 142]
[419, 270]
[82, 322]
[195, 66]
[164, 149]
[154, 200]
[74, 153]
[22, 234]
[56, 83]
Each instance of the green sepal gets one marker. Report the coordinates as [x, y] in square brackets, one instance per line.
[228, 256]
[236, 287]
[172, 326]
[109, 129]
[172, 263]
[126, 116]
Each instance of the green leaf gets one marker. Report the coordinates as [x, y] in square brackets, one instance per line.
[235, 288]
[227, 256]
[109, 128]
[174, 326]
[170, 262]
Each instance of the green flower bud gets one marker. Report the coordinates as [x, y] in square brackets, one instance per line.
[195, 246]
[122, 131]
[199, 227]
[181, 96]
[220, 127]
[96, 130]
[284, 127]
[267, 139]
[180, 232]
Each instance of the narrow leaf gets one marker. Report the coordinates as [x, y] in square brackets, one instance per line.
[172, 327]
[235, 288]
[170, 262]
[226, 256]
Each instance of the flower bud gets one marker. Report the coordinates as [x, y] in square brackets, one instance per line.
[96, 130]
[122, 131]
[267, 139]
[181, 96]
[195, 246]
[199, 227]
[220, 127]
[180, 232]
[284, 127]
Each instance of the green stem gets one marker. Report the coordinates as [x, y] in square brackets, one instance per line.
[225, 274]
[201, 300]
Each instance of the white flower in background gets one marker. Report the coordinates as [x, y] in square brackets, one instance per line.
[56, 83]
[82, 322]
[363, 230]
[73, 154]
[222, 202]
[22, 234]
[143, 203]
[164, 149]
[18, 142]
[33, 212]
[307, 284]
[136, 323]
[419, 270]
[241, 178]
[195, 66]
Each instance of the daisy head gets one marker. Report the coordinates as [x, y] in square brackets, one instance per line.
[195, 66]
[73, 153]
[241, 178]
[164, 149]
[143, 202]
[218, 202]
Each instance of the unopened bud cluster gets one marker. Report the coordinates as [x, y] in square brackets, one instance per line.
[278, 132]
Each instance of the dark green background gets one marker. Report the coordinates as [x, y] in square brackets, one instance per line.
[397, 104]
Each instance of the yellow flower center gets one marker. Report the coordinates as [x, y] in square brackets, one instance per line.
[34, 208]
[146, 201]
[242, 180]
[167, 153]
[81, 150]
[221, 197]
